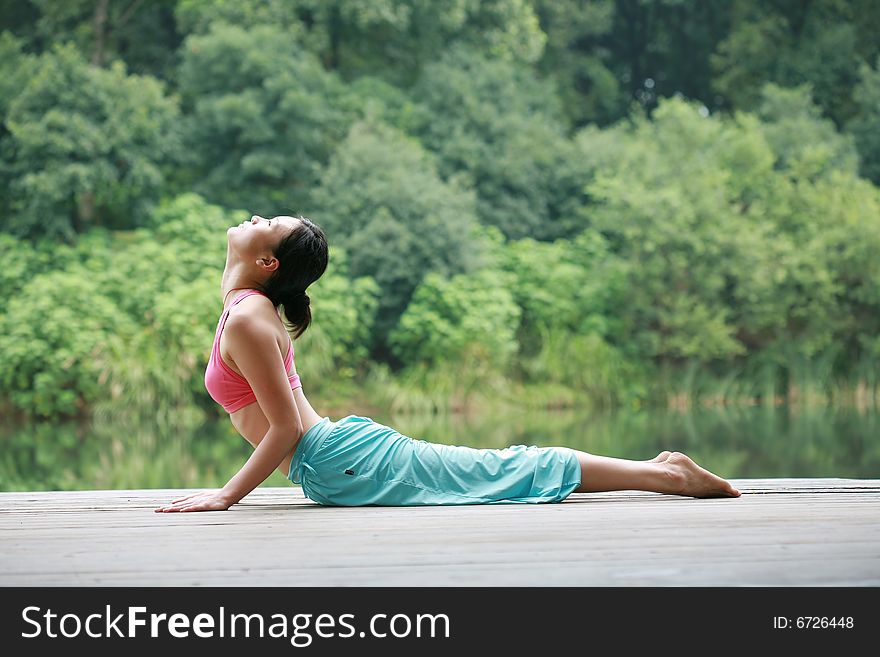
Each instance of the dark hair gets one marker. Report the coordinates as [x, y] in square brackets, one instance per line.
[302, 259]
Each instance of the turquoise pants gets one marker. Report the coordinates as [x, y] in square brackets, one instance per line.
[356, 462]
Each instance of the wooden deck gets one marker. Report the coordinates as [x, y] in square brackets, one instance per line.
[781, 532]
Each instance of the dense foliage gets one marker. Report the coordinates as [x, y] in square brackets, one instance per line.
[565, 202]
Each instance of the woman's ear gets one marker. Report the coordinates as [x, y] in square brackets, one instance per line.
[269, 264]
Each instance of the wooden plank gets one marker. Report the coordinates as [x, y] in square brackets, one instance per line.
[780, 532]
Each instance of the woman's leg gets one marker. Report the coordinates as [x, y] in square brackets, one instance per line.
[669, 472]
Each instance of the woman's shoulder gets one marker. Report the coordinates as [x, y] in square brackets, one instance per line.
[254, 313]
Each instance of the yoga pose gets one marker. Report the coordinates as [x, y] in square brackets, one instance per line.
[355, 461]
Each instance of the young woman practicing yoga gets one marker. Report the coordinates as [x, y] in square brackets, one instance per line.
[355, 461]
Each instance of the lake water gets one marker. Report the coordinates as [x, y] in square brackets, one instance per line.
[736, 443]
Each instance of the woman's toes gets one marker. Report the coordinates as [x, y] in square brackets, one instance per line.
[662, 456]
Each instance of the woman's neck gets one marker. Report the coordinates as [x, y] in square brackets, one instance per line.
[235, 280]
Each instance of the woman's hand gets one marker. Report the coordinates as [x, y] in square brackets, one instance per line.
[209, 500]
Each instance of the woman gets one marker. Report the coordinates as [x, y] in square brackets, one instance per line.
[355, 461]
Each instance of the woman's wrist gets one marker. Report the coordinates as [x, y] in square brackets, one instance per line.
[229, 497]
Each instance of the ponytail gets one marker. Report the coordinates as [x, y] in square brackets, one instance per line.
[297, 313]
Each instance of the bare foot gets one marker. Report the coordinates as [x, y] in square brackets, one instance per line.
[693, 481]
[662, 456]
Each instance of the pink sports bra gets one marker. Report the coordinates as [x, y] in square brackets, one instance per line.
[228, 388]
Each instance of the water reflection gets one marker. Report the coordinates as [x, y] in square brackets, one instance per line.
[736, 443]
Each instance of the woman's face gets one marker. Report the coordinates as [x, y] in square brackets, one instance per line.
[259, 236]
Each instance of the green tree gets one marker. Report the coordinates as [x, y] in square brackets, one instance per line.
[16, 68]
[450, 319]
[589, 90]
[732, 231]
[18, 260]
[499, 126]
[838, 307]
[163, 281]
[609, 54]
[662, 48]
[263, 116]
[790, 43]
[184, 240]
[865, 125]
[804, 143]
[140, 34]
[199, 16]
[660, 198]
[398, 38]
[570, 293]
[382, 200]
[379, 100]
[85, 147]
[569, 286]
[53, 333]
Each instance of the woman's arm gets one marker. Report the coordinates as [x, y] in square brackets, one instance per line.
[253, 347]
[251, 342]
